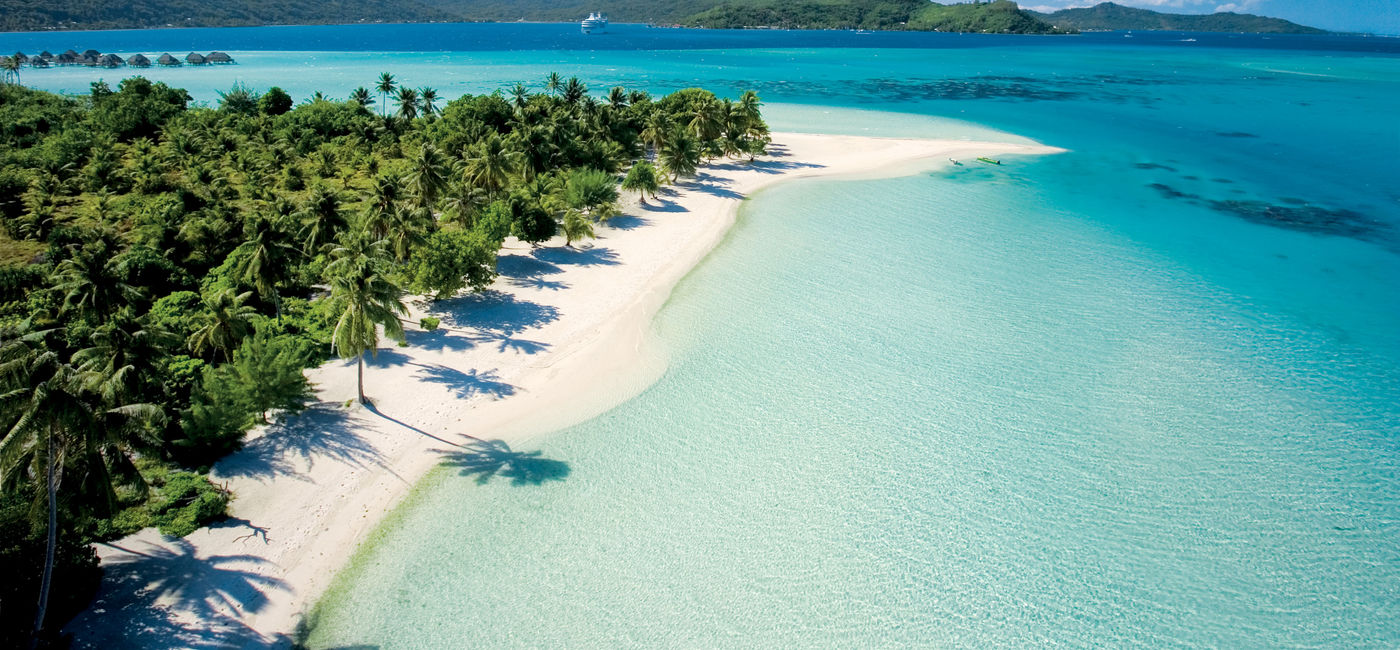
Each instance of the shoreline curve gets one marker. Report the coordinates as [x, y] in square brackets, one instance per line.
[563, 336]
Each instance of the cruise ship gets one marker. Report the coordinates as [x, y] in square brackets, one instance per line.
[595, 22]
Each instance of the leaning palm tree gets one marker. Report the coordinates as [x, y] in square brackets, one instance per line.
[426, 97]
[386, 85]
[553, 83]
[222, 325]
[490, 164]
[55, 423]
[366, 299]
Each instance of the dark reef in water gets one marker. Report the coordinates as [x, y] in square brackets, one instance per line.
[1291, 213]
[1149, 166]
[1235, 134]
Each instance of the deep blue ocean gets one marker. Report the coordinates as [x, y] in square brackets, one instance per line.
[1144, 392]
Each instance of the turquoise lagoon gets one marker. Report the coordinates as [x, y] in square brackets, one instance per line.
[1145, 392]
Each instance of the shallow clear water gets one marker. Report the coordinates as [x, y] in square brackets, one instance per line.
[1146, 392]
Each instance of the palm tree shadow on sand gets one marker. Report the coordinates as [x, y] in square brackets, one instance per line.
[486, 459]
[143, 589]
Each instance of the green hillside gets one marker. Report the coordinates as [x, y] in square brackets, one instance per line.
[26, 15]
[1000, 17]
[1110, 17]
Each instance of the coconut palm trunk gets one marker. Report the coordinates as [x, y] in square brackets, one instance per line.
[47, 580]
[361, 378]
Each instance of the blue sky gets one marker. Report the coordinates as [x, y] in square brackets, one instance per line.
[1377, 16]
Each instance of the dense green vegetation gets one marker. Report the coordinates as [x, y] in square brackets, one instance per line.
[999, 17]
[993, 17]
[173, 270]
[1108, 16]
[21, 15]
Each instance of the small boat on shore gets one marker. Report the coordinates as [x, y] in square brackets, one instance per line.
[595, 22]
[989, 161]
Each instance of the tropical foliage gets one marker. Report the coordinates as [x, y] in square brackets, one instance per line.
[169, 271]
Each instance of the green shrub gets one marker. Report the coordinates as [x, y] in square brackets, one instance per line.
[188, 501]
[429, 323]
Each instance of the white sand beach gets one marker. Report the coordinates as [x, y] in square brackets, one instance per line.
[559, 338]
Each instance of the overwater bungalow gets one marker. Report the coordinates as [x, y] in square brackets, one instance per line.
[21, 57]
[138, 61]
[195, 58]
[92, 54]
[47, 55]
[219, 57]
[110, 61]
[68, 58]
[166, 59]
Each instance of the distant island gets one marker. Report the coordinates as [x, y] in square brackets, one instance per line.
[1107, 17]
[998, 17]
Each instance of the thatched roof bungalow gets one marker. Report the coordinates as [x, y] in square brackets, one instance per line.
[195, 58]
[166, 59]
[68, 58]
[91, 54]
[110, 61]
[21, 57]
[39, 62]
[138, 61]
[46, 55]
[89, 61]
[219, 57]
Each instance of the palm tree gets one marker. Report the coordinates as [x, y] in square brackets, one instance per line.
[680, 156]
[361, 96]
[367, 300]
[408, 103]
[749, 108]
[124, 356]
[386, 86]
[427, 175]
[268, 258]
[705, 120]
[54, 422]
[91, 284]
[223, 324]
[576, 226]
[382, 204]
[462, 203]
[426, 97]
[490, 165]
[321, 219]
[574, 91]
[617, 98]
[519, 96]
[553, 83]
[11, 66]
[657, 130]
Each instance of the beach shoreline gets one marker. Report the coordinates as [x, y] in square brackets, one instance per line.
[562, 337]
